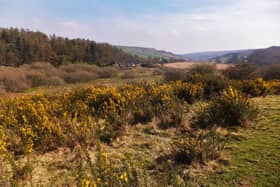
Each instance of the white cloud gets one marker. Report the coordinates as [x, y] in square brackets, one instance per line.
[241, 24]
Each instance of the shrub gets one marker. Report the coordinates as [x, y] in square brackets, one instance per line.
[228, 110]
[276, 87]
[243, 71]
[55, 81]
[42, 67]
[106, 171]
[37, 78]
[14, 80]
[187, 91]
[213, 83]
[107, 72]
[128, 75]
[172, 74]
[199, 147]
[166, 106]
[157, 72]
[79, 76]
[202, 69]
[150, 65]
[79, 67]
[75, 73]
[171, 113]
[143, 112]
[256, 87]
[2, 89]
[272, 72]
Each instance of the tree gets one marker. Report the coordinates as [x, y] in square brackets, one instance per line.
[23, 46]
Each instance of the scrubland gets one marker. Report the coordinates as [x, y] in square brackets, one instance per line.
[143, 127]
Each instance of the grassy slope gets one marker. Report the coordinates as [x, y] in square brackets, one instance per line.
[255, 158]
[149, 52]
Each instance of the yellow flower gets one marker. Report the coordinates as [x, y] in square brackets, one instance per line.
[123, 177]
[85, 183]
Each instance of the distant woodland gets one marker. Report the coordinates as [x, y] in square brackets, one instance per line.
[19, 46]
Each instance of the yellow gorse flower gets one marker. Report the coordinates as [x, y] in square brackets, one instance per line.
[231, 93]
[123, 177]
[88, 183]
[3, 144]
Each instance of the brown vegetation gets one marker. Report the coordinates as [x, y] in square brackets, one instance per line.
[189, 65]
[44, 74]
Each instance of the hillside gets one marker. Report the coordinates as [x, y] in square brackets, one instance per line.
[18, 47]
[266, 56]
[150, 52]
[210, 55]
[234, 57]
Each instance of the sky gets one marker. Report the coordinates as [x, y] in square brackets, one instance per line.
[180, 26]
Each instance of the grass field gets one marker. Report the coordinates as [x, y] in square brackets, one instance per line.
[188, 65]
[255, 155]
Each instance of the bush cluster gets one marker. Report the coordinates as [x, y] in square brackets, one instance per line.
[44, 74]
[199, 147]
[85, 116]
[227, 110]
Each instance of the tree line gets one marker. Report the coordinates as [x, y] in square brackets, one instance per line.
[19, 46]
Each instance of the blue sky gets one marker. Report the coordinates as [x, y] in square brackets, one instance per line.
[176, 25]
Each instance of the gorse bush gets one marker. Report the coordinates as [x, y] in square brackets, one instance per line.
[82, 118]
[213, 84]
[165, 105]
[188, 92]
[257, 87]
[227, 110]
[41, 117]
[105, 172]
[201, 147]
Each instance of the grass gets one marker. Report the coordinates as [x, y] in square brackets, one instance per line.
[255, 156]
[189, 65]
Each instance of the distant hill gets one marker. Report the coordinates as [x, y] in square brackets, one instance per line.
[234, 57]
[266, 56]
[150, 52]
[211, 55]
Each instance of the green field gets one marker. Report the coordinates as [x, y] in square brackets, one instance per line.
[255, 155]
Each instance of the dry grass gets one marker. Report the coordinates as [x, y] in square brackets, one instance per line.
[189, 65]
